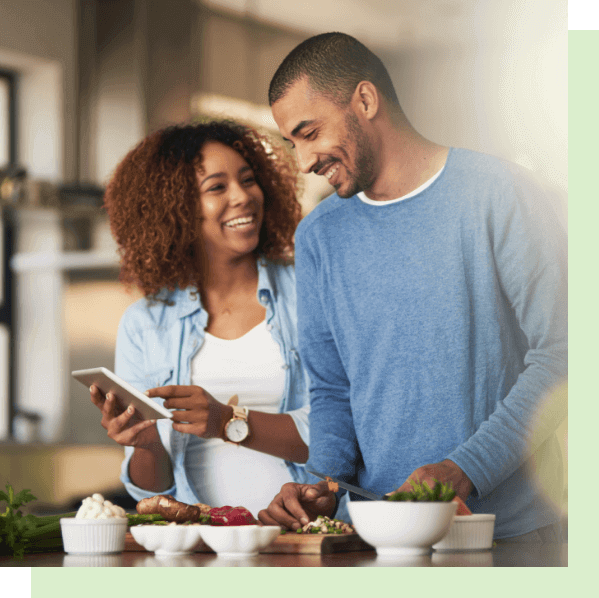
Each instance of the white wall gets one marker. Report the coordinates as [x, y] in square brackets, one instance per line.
[38, 39]
[489, 75]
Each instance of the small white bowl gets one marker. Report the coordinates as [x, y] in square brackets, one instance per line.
[469, 532]
[93, 536]
[397, 528]
[167, 540]
[239, 540]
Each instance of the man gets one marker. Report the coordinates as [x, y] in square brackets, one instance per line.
[431, 302]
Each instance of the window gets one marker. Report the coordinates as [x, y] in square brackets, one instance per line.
[7, 119]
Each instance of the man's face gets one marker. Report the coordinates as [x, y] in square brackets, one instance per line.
[327, 139]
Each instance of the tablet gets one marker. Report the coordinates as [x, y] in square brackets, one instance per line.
[108, 381]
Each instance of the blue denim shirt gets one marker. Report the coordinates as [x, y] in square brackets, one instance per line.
[155, 345]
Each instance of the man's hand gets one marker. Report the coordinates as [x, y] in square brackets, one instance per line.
[446, 472]
[298, 504]
[197, 411]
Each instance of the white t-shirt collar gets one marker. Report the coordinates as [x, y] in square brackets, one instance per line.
[416, 191]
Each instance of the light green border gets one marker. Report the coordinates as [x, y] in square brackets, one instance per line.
[583, 160]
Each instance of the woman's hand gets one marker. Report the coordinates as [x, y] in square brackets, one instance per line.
[124, 427]
[196, 411]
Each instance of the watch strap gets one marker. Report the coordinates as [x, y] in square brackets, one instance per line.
[238, 413]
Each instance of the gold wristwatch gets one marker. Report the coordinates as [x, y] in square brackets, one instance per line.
[237, 428]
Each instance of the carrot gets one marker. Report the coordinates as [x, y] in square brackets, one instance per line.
[333, 486]
[462, 508]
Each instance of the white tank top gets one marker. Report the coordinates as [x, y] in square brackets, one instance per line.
[223, 473]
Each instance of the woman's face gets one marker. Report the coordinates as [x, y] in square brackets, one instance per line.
[231, 202]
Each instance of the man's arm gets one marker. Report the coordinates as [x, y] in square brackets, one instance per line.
[332, 436]
[530, 250]
[333, 444]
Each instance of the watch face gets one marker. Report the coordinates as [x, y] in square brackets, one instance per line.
[237, 430]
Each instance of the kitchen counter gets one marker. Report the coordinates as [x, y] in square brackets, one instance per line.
[502, 555]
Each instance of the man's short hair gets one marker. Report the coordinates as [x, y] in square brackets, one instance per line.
[334, 64]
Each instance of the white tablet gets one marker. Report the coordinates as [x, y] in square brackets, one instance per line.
[108, 381]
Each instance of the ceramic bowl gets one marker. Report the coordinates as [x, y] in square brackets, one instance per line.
[397, 529]
[93, 536]
[469, 532]
[239, 540]
[167, 540]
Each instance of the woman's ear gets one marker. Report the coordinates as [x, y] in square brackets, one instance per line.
[366, 100]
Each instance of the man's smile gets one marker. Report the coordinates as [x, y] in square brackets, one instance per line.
[332, 171]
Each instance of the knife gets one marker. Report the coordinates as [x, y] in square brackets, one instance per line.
[354, 489]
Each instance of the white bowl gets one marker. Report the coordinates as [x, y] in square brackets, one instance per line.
[239, 540]
[93, 536]
[469, 532]
[397, 528]
[167, 540]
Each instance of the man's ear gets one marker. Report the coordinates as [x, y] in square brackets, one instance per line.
[366, 100]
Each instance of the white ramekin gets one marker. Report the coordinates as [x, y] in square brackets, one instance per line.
[93, 536]
[469, 532]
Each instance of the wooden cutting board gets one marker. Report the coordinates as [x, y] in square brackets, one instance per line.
[289, 543]
[293, 543]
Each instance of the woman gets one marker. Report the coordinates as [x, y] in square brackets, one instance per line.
[204, 217]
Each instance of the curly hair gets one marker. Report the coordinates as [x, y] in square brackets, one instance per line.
[152, 202]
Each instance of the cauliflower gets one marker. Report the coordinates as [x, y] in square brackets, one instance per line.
[95, 507]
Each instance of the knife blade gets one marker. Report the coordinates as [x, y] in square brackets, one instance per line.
[354, 489]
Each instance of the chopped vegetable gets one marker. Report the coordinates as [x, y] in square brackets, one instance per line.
[325, 525]
[462, 507]
[333, 486]
[424, 493]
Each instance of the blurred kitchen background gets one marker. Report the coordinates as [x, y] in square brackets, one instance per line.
[82, 81]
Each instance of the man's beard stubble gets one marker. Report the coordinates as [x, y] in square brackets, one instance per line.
[362, 175]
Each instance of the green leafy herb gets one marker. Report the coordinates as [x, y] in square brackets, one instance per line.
[13, 524]
[424, 493]
[20, 534]
[205, 519]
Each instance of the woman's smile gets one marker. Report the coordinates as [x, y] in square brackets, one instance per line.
[231, 202]
[241, 223]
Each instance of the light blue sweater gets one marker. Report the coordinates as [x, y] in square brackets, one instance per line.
[433, 328]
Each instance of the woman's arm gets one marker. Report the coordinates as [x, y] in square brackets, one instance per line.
[198, 412]
[150, 467]
[275, 434]
[147, 466]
